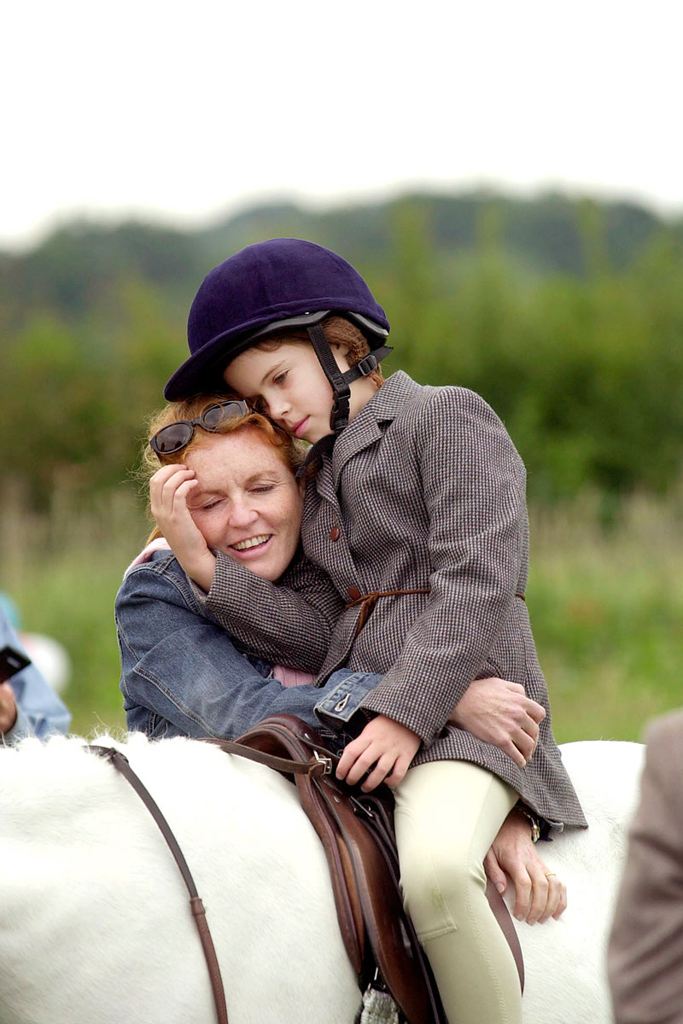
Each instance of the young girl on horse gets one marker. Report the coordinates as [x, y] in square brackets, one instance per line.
[415, 510]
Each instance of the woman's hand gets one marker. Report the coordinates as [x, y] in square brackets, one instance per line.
[8, 708]
[499, 712]
[168, 491]
[539, 893]
[384, 744]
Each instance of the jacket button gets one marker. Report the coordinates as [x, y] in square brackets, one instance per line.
[335, 533]
[353, 594]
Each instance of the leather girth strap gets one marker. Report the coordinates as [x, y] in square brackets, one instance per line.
[120, 762]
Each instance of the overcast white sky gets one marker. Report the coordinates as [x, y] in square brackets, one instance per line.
[186, 111]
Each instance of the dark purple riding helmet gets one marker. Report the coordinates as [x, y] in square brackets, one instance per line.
[284, 282]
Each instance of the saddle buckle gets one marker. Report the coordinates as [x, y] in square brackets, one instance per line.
[326, 762]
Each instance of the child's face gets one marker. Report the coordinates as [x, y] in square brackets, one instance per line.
[290, 386]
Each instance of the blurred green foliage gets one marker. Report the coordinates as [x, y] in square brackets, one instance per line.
[582, 355]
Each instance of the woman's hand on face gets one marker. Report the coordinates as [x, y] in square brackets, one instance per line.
[499, 712]
[168, 491]
[539, 893]
[385, 749]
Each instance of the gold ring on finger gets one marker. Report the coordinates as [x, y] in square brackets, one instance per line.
[550, 874]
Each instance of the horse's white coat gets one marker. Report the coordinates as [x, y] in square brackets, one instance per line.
[94, 920]
[566, 981]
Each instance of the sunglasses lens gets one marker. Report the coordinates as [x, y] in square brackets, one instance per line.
[212, 416]
[172, 438]
[216, 414]
[177, 435]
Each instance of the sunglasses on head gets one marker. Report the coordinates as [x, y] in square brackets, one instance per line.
[177, 436]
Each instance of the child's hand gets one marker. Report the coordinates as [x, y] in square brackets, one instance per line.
[168, 491]
[387, 745]
[158, 544]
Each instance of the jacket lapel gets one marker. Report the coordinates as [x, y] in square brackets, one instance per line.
[324, 483]
[353, 440]
[370, 424]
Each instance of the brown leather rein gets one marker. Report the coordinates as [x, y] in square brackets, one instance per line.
[318, 765]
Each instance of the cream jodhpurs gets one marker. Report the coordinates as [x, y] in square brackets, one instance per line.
[447, 815]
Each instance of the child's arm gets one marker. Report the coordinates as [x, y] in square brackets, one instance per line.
[181, 673]
[158, 544]
[288, 623]
[474, 490]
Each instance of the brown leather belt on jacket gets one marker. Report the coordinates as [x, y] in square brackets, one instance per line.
[368, 601]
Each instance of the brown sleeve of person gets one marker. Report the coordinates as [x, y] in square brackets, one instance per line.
[645, 956]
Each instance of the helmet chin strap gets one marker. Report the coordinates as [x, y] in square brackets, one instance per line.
[341, 381]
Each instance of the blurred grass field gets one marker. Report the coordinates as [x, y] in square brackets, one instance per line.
[606, 605]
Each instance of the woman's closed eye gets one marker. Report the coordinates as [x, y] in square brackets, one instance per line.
[206, 506]
[280, 377]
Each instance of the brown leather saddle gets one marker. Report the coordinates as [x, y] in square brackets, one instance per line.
[357, 834]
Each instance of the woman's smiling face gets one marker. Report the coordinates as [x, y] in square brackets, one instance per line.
[247, 502]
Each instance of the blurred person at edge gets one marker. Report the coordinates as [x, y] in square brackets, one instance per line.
[645, 954]
[28, 705]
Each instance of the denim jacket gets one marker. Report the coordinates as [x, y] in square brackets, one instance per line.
[181, 674]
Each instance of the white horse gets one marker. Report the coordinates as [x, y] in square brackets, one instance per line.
[95, 926]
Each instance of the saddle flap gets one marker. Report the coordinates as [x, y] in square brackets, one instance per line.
[287, 737]
[390, 932]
